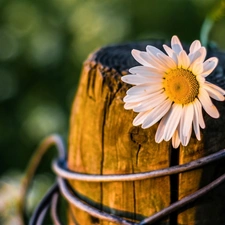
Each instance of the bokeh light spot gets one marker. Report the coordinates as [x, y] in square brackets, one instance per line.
[44, 120]
[21, 16]
[8, 45]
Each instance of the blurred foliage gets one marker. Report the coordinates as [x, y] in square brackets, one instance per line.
[42, 47]
[10, 196]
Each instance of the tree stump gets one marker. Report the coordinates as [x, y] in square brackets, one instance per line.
[102, 140]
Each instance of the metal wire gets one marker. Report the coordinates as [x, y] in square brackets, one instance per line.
[65, 190]
[54, 204]
[34, 163]
[43, 205]
[183, 202]
[60, 169]
[62, 187]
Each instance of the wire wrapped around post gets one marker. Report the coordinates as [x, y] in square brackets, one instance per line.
[61, 187]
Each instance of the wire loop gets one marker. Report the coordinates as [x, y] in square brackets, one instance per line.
[62, 187]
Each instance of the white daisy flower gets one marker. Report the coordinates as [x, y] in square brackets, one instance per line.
[172, 88]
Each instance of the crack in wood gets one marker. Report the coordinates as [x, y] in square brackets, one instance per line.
[174, 183]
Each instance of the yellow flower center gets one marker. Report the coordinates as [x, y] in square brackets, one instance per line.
[181, 86]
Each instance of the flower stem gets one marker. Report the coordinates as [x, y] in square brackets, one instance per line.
[216, 14]
[205, 30]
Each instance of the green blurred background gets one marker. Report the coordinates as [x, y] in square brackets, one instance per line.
[43, 44]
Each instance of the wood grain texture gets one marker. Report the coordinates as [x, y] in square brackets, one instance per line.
[102, 140]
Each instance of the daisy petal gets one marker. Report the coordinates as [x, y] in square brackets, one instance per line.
[146, 71]
[200, 79]
[139, 98]
[160, 130]
[172, 121]
[171, 53]
[176, 45]
[188, 113]
[150, 103]
[207, 104]
[216, 87]
[155, 62]
[144, 89]
[187, 138]
[156, 114]
[152, 50]
[196, 122]
[136, 80]
[175, 139]
[198, 107]
[202, 53]
[197, 68]
[202, 56]
[137, 55]
[214, 93]
[139, 119]
[209, 65]
[198, 56]
[160, 57]
[181, 127]
[195, 46]
[130, 105]
[168, 50]
[183, 60]
[167, 61]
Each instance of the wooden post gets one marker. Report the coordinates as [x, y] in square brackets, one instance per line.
[103, 140]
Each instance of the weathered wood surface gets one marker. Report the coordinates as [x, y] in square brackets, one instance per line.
[102, 140]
